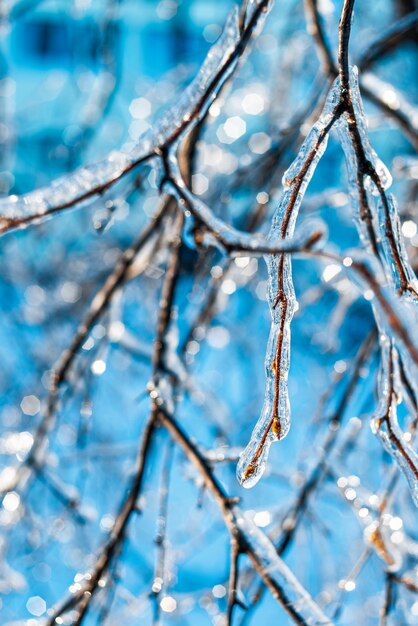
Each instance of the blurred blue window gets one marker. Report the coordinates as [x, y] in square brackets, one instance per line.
[56, 42]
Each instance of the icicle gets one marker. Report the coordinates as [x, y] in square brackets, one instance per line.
[274, 421]
[385, 424]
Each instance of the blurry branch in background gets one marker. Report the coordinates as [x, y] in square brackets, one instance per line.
[99, 305]
[397, 33]
[380, 269]
[105, 87]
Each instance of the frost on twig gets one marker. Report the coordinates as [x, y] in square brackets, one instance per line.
[274, 421]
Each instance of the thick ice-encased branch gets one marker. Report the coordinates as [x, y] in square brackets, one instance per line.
[274, 421]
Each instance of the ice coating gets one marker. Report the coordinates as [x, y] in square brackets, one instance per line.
[384, 217]
[395, 226]
[63, 191]
[226, 237]
[214, 63]
[251, 8]
[385, 424]
[265, 555]
[381, 169]
[405, 456]
[87, 181]
[399, 280]
[395, 316]
[274, 421]
[343, 126]
[367, 507]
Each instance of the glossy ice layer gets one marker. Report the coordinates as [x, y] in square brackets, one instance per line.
[87, 181]
[402, 257]
[385, 421]
[384, 210]
[274, 421]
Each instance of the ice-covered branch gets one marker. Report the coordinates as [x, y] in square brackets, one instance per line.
[385, 422]
[85, 592]
[279, 579]
[369, 177]
[92, 180]
[400, 112]
[274, 420]
[229, 239]
[60, 374]
[187, 333]
[343, 107]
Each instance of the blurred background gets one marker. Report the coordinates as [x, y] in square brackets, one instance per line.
[78, 79]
